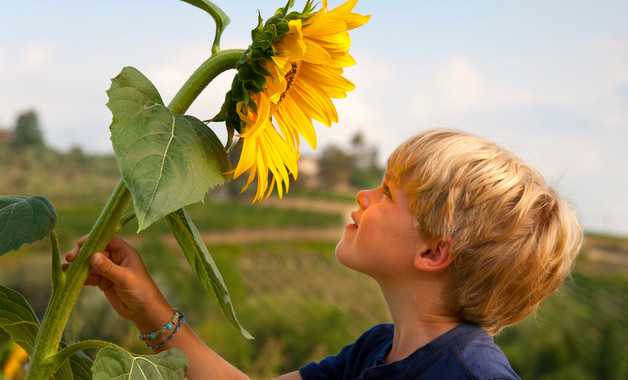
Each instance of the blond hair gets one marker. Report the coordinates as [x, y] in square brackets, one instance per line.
[514, 239]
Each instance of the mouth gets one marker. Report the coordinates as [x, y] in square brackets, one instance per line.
[354, 218]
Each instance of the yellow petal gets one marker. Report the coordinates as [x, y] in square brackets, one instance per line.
[292, 45]
[314, 103]
[343, 9]
[330, 81]
[315, 53]
[335, 42]
[341, 59]
[324, 27]
[355, 20]
[291, 116]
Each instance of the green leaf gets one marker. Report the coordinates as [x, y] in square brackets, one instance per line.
[114, 363]
[64, 372]
[18, 319]
[77, 367]
[166, 161]
[202, 264]
[81, 366]
[24, 220]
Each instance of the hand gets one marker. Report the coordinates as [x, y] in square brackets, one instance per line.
[122, 276]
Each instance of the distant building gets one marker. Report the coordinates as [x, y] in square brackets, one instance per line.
[5, 136]
[308, 171]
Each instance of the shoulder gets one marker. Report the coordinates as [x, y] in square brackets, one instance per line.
[377, 334]
[477, 354]
[371, 345]
[365, 352]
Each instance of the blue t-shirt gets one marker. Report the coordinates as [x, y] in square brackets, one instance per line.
[465, 352]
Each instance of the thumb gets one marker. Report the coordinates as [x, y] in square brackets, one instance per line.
[103, 266]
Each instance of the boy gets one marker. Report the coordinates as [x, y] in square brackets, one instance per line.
[463, 238]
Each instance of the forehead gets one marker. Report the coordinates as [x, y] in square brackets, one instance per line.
[395, 174]
[392, 180]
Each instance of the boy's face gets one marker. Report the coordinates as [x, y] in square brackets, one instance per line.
[382, 242]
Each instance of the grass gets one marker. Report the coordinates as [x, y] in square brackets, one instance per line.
[293, 296]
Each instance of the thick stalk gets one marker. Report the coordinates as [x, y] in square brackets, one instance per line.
[69, 284]
[210, 69]
[67, 291]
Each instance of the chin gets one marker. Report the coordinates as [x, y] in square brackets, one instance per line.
[345, 256]
[340, 253]
[338, 250]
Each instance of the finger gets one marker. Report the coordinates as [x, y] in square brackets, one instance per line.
[69, 257]
[72, 254]
[97, 280]
[80, 241]
[121, 251]
[93, 280]
[117, 244]
[103, 266]
[105, 284]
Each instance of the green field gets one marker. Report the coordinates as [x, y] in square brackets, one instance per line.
[301, 305]
[287, 288]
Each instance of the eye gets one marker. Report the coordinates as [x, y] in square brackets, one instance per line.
[386, 190]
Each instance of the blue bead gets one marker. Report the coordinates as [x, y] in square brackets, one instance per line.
[153, 336]
[139, 335]
[168, 326]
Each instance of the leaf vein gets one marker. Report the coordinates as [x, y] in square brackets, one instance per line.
[161, 168]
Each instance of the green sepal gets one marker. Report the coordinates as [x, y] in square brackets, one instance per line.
[260, 26]
[221, 115]
[251, 75]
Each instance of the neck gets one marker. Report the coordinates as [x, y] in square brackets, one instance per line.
[418, 320]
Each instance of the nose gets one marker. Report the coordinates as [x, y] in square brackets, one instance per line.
[364, 198]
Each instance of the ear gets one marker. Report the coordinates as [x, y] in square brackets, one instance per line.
[435, 256]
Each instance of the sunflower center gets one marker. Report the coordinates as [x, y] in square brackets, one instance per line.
[290, 78]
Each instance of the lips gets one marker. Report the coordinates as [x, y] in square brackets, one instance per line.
[354, 218]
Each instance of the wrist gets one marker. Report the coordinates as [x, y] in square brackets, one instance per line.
[161, 337]
[153, 318]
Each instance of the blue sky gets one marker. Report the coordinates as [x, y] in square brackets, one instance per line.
[545, 79]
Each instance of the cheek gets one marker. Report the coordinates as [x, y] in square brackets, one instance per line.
[361, 250]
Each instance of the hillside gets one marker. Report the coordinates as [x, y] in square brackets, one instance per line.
[277, 259]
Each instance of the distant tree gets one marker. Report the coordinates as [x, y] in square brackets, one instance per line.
[364, 156]
[27, 131]
[366, 172]
[335, 166]
[355, 167]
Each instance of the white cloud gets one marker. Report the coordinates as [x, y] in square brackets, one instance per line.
[457, 86]
[34, 57]
[459, 82]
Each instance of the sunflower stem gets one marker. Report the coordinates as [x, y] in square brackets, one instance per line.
[67, 286]
[43, 364]
[215, 65]
[57, 273]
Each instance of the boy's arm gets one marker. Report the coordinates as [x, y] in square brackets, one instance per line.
[120, 273]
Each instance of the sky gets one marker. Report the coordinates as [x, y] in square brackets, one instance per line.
[547, 80]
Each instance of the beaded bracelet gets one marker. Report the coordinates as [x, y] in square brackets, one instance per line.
[166, 327]
[169, 337]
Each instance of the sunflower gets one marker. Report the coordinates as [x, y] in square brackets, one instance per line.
[286, 79]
